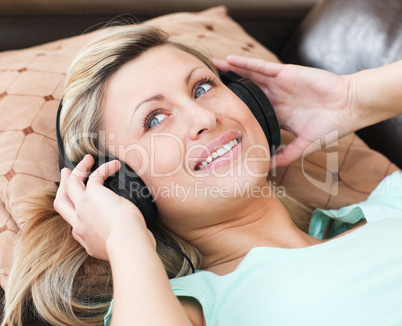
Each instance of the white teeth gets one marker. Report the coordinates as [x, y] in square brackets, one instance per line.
[221, 151]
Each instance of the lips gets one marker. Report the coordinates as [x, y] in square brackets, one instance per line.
[217, 148]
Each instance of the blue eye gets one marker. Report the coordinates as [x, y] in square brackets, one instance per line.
[201, 90]
[155, 120]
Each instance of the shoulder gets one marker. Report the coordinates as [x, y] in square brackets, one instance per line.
[196, 292]
[193, 310]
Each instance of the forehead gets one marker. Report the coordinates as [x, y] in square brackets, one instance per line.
[157, 67]
[159, 60]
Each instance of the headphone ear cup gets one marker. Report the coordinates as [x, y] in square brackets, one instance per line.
[126, 183]
[261, 108]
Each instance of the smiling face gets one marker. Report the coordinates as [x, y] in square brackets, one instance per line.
[190, 138]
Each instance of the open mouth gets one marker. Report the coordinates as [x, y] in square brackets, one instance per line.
[218, 153]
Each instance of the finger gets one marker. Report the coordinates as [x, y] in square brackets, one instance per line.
[221, 64]
[62, 203]
[256, 77]
[290, 153]
[104, 171]
[224, 66]
[83, 167]
[282, 158]
[257, 65]
[75, 186]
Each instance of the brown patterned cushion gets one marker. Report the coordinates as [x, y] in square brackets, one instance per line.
[313, 180]
[31, 85]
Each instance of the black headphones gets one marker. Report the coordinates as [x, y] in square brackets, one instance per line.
[258, 103]
[129, 185]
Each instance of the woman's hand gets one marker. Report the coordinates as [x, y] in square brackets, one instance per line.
[310, 103]
[110, 227]
[96, 213]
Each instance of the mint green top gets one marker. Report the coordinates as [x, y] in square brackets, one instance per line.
[354, 280]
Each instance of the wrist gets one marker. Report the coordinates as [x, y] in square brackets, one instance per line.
[357, 104]
[377, 94]
[363, 109]
[350, 113]
[128, 237]
[363, 104]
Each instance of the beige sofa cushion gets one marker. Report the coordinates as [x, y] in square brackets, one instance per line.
[31, 86]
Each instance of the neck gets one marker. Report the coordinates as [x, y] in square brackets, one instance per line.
[262, 222]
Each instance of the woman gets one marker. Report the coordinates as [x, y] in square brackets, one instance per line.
[140, 89]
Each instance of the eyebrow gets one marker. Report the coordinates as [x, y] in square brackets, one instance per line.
[161, 97]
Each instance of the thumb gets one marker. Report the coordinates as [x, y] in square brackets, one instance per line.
[291, 152]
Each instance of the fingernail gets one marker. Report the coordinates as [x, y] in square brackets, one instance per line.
[63, 172]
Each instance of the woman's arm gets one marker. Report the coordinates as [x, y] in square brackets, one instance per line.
[378, 94]
[314, 103]
[109, 227]
[142, 294]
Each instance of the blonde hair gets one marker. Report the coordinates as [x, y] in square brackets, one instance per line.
[52, 274]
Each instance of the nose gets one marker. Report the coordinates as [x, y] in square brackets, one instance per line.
[202, 120]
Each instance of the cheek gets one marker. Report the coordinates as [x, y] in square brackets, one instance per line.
[256, 154]
[161, 155]
[166, 152]
[257, 160]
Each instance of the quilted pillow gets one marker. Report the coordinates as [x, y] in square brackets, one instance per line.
[31, 86]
